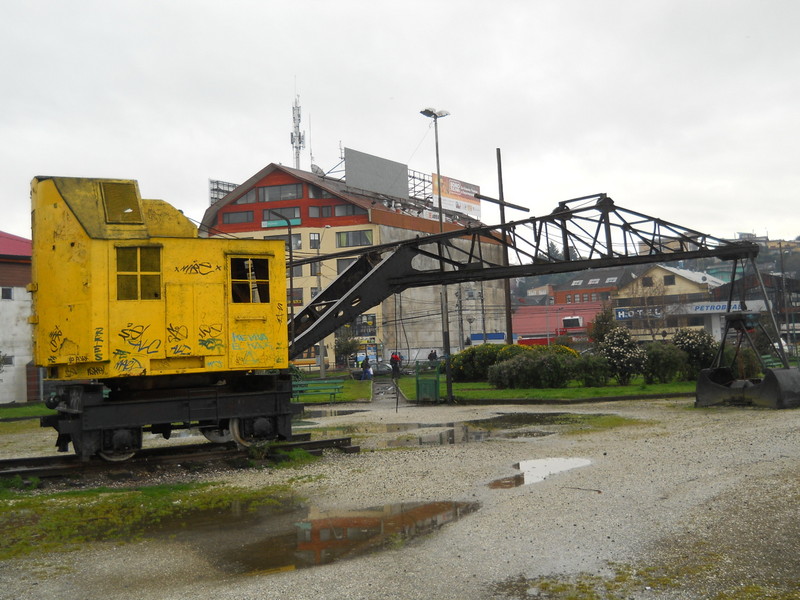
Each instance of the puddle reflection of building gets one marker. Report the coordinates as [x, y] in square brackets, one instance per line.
[326, 536]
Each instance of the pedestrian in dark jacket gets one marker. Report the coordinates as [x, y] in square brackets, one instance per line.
[366, 370]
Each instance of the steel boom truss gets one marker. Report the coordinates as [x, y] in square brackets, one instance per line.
[582, 233]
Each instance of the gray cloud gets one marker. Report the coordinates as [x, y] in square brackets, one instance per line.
[680, 109]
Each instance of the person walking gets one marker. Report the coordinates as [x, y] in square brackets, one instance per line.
[366, 369]
[394, 360]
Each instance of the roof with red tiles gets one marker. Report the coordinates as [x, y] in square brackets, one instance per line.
[13, 245]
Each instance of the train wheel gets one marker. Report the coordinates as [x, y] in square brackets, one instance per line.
[116, 456]
[218, 436]
[251, 430]
[236, 431]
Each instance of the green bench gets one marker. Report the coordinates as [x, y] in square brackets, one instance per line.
[771, 362]
[316, 387]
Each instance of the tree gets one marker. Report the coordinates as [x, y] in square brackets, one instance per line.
[345, 344]
[602, 324]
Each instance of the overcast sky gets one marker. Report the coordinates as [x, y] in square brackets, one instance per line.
[682, 109]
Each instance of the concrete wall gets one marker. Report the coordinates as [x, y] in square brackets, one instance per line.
[412, 321]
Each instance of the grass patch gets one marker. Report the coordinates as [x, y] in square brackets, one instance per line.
[64, 520]
[15, 427]
[353, 391]
[20, 411]
[481, 390]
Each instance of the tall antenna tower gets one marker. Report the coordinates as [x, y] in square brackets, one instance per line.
[298, 138]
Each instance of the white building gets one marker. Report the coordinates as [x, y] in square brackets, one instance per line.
[15, 308]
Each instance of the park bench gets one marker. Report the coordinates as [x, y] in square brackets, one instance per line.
[771, 362]
[316, 387]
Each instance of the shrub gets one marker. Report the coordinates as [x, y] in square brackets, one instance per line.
[625, 358]
[745, 363]
[509, 351]
[562, 350]
[700, 348]
[592, 370]
[663, 362]
[473, 363]
[534, 369]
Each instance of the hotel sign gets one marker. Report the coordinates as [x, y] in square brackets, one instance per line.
[641, 312]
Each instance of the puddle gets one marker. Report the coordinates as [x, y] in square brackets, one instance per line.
[264, 542]
[538, 470]
[329, 412]
[518, 426]
[455, 433]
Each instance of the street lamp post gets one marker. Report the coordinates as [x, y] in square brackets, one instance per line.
[434, 114]
[785, 299]
[322, 371]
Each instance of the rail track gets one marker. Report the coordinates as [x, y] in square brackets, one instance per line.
[148, 458]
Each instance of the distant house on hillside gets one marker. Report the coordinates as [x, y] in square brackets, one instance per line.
[595, 285]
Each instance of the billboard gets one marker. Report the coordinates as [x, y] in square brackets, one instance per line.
[374, 174]
[457, 196]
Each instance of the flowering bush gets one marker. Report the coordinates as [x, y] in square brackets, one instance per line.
[625, 358]
[700, 348]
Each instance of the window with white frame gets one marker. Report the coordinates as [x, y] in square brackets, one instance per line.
[348, 239]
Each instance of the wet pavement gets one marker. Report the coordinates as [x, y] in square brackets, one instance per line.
[243, 542]
[535, 470]
[517, 426]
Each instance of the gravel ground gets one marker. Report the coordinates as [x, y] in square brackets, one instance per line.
[685, 504]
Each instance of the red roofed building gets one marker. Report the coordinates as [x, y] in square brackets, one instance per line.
[318, 215]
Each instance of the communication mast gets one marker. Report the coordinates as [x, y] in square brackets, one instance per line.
[298, 138]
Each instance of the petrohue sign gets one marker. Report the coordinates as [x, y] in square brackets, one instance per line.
[722, 307]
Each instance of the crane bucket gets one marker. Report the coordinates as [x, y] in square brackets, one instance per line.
[779, 388]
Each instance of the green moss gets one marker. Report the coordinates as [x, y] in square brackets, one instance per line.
[10, 486]
[292, 459]
[626, 580]
[594, 423]
[61, 521]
